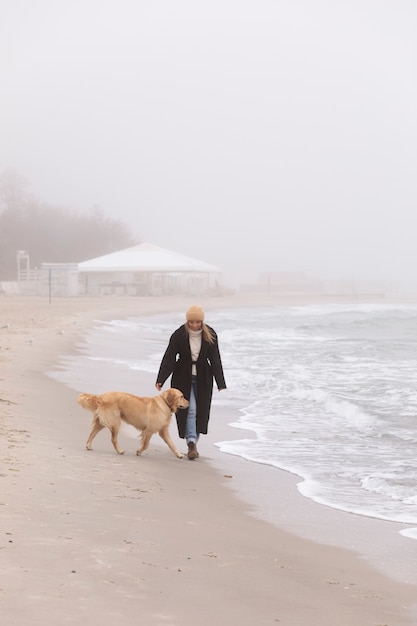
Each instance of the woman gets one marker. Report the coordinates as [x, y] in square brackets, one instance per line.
[193, 359]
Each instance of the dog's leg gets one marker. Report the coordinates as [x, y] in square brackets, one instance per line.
[114, 432]
[96, 427]
[165, 436]
[145, 439]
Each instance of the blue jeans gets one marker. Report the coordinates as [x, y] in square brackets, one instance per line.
[191, 433]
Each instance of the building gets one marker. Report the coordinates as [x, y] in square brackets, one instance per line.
[146, 270]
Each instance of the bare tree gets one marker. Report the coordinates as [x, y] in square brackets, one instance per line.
[14, 190]
[51, 234]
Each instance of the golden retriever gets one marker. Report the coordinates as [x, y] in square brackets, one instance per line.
[148, 415]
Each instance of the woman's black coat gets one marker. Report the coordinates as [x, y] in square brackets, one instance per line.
[177, 361]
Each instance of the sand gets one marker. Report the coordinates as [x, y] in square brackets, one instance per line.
[97, 538]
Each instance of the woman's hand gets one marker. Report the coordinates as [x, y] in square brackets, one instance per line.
[158, 386]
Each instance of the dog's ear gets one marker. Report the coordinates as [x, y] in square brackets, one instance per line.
[165, 396]
[171, 399]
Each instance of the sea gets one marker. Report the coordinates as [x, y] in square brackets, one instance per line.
[326, 392]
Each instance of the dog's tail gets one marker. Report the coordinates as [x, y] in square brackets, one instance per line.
[98, 407]
[88, 401]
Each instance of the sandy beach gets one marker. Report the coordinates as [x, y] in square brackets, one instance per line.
[95, 538]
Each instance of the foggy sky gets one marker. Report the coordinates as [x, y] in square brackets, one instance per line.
[269, 135]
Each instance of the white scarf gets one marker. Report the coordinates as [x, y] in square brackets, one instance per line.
[195, 347]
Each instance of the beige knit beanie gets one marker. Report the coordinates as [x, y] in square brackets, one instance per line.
[195, 314]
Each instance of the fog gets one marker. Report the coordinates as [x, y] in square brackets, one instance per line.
[267, 136]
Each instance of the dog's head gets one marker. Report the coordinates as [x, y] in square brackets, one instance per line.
[175, 399]
[88, 401]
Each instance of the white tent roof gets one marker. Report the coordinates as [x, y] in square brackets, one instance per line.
[145, 258]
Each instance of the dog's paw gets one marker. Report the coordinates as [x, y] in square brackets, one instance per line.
[180, 455]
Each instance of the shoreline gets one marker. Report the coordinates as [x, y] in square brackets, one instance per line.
[261, 572]
[377, 540]
[272, 495]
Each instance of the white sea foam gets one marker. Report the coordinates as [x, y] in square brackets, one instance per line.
[411, 533]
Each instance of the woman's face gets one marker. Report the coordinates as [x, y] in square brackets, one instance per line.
[194, 325]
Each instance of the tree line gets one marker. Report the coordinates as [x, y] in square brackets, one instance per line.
[51, 234]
